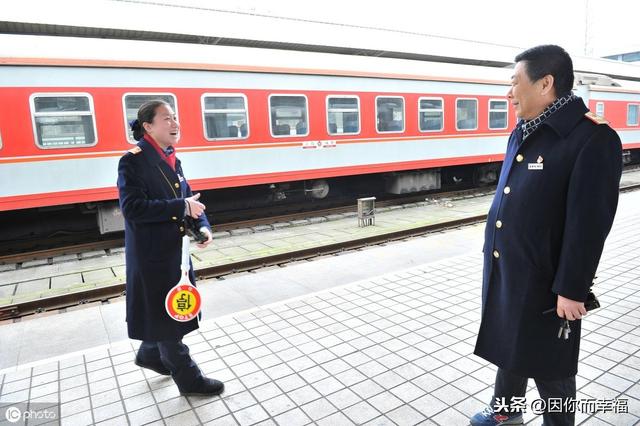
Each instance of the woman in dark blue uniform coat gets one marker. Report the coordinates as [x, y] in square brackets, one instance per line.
[154, 199]
[554, 206]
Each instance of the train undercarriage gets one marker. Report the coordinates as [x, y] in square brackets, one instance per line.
[94, 221]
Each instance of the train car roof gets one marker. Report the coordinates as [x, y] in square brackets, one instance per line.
[89, 52]
[73, 51]
[206, 25]
[140, 20]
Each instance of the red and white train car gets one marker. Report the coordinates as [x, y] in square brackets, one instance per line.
[254, 116]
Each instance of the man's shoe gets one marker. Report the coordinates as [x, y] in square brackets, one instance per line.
[488, 417]
[158, 367]
[205, 387]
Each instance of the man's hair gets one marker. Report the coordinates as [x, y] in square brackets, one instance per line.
[549, 59]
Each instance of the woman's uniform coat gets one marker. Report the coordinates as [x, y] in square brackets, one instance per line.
[554, 206]
[152, 202]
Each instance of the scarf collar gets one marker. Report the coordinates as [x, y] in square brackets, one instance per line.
[530, 126]
[168, 154]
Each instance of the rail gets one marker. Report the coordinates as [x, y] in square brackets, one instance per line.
[108, 292]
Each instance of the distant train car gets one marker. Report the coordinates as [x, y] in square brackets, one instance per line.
[256, 118]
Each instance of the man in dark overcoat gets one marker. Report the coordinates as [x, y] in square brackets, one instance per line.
[554, 206]
[155, 198]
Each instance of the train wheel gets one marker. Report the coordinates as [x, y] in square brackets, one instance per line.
[317, 189]
[486, 174]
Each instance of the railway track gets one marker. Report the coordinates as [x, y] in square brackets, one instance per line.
[110, 243]
[50, 254]
[629, 188]
[103, 294]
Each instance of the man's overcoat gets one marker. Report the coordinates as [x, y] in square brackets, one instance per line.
[554, 206]
[152, 203]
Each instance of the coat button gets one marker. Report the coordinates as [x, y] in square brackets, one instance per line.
[182, 229]
[519, 158]
[496, 254]
[177, 185]
[506, 190]
[174, 218]
[498, 224]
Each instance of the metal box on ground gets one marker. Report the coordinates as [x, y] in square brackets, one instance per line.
[366, 211]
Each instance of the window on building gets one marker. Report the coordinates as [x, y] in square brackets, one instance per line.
[133, 102]
[600, 109]
[430, 114]
[466, 114]
[343, 115]
[63, 121]
[390, 114]
[288, 115]
[225, 116]
[632, 114]
[498, 112]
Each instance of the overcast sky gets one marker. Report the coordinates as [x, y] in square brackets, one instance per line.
[611, 25]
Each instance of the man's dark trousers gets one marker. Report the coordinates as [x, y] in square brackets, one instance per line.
[509, 385]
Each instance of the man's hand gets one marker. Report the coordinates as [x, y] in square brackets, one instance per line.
[205, 231]
[194, 208]
[570, 309]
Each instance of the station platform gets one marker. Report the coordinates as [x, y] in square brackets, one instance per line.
[380, 336]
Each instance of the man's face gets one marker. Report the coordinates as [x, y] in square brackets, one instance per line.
[525, 95]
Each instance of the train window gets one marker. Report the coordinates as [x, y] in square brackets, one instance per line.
[632, 114]
[343, 115]
[288, 115]
[600, 109]
[430, 114]
[133, 101]
[466, 114]
[63, 120]
[498, 114]
[225, 116]
[390, 114]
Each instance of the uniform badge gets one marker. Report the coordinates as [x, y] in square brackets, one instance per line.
[538, 165]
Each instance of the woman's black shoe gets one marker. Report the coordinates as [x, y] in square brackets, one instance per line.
[205, 387]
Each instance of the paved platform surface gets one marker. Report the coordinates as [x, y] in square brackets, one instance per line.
[381, 336]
